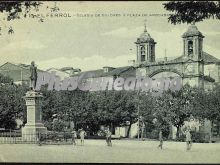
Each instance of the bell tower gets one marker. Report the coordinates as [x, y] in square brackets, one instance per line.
[145, 47]
[193, 43]
[193, 54]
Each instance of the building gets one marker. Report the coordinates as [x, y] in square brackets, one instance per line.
[20, 73]
[64, 72]
[59, 72]
[194, 66]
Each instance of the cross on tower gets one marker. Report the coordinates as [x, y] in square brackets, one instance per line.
[145, 25]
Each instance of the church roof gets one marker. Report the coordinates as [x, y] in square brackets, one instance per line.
[145, 37]
[208, 58]
[192, 31]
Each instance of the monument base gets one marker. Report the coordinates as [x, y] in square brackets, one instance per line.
[32, 133]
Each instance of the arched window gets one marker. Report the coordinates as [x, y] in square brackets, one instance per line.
[142, 53]
[151, 53]
[142, 50]
[190, 47]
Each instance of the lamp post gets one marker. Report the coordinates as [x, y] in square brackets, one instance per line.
[138, 123]
[138, 108]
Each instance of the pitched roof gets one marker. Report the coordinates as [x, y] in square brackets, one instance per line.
[56, 70]
[120, 71]
[23, 66]
[192, 31]
[123, 71]
[90, 74]
[208, 59]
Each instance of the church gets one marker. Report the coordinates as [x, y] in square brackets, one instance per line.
[194, 66]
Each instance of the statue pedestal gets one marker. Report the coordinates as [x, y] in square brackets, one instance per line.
[34, 125]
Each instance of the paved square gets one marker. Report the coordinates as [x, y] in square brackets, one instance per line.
[123, 151]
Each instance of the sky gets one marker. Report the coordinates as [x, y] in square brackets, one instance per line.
[92, 42]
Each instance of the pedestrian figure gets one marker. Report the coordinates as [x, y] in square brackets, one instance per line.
[108, 137]
[65, 134]
[74, 137]
[82, 135]
[188, 140]
[40, 139]
[161, 140]
[10, 31]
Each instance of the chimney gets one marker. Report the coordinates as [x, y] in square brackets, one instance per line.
[107, 68]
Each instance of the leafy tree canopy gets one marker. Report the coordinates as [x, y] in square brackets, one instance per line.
[192, 11]
[16, 9]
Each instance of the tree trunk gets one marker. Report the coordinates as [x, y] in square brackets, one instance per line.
[170, 136]
[142, 131]
[178, 132]
[129, 129]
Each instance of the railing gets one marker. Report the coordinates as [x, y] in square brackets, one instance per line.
[15, 137]
[10, 137]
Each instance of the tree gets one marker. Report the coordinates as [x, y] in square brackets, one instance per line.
[18, 9]
[181, 106]
[172, 108]
[11, 103]
[206, 104]
[127, 110]
[147, 104]
[21, 9]
[163, 113]
[214, 113]
[5, 80]
[192, 11]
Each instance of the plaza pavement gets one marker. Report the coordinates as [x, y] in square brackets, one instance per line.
[122, 151]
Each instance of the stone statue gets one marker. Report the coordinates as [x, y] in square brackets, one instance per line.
[33, 77]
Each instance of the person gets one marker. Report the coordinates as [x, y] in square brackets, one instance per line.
[161, 140]
[82, 135]
[188, 140]
[10, 31]
[65, 134]
[108, 138]
[39, 139]
[74, 137]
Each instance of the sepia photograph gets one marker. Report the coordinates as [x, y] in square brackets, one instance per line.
[110, 82]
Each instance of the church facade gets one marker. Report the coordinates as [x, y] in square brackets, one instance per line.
[194, 66]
